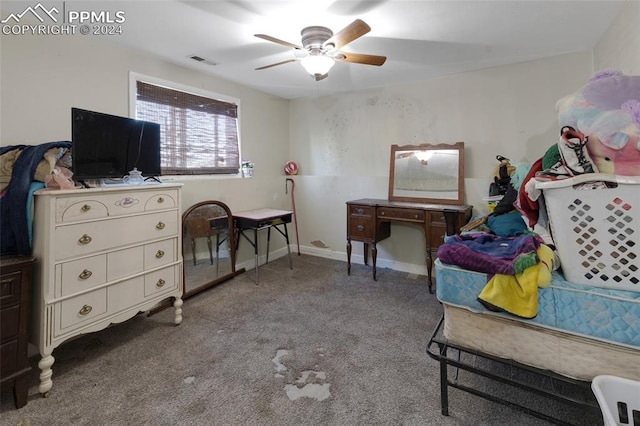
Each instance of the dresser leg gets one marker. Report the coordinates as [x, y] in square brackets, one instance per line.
[21, 391]
[45, 374]
[177, 304]
[348, 256]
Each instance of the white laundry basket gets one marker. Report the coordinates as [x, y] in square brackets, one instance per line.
[596, 231]
[619, 400]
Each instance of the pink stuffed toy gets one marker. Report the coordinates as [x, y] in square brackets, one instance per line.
[607, 110]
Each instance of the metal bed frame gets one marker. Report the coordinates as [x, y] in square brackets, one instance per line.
[574, 393]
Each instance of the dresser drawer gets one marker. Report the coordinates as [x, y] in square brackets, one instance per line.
[409, 215]
[107, 204]
[164, 200]
[79, 275]
[80, 210]
[125, 294]
[86, 238]
[122, 263]
[80, 310]
[164, 280]
[10, 288]
[9, 323]
[8, 357]
[160, 253]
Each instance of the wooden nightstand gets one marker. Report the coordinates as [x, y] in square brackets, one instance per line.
[15, 300]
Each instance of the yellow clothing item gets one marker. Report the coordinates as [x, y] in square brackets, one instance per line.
[518, 294]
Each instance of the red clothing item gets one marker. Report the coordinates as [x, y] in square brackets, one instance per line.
[526, 206]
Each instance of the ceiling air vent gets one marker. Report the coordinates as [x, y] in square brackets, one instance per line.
[201, 59]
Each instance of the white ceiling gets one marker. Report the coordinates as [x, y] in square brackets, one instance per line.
[421, 39]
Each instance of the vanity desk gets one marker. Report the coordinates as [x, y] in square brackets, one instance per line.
[426, 187]
[369, 220]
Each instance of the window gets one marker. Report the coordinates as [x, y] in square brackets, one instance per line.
[199, 132]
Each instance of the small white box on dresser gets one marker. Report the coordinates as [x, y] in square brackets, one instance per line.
[104, 255]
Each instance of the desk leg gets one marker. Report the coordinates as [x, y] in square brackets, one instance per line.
[255, 240]
[286, 237]
[348, 256]
[374, 255]
[365, 249]
[210, 249]
[429, 269]
[193, 250]
[268, 239]
[217, 253]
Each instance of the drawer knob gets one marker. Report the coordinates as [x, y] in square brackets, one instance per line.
[360, 228]
[381, 213]
[160, 226]
[159, 254]
[85, 310]
[85, 239]
[160, 200]
[85, 208]
[360, 211]
[85, 274]
[160, 283]
[416, 216]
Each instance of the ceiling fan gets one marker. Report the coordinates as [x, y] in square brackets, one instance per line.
[321, 48]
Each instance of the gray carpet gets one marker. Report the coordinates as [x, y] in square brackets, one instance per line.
[308, 346]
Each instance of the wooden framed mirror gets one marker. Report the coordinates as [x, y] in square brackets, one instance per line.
[208, 246]
[427, 173]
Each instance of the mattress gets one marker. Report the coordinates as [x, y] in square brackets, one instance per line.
[579, 331]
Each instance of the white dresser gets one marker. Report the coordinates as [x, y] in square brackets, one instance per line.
[103, 256]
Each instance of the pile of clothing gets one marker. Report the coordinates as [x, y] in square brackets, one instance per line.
[24, 169]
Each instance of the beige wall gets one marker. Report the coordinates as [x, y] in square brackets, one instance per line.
[42, 77]
[342, 142]
[619, 48]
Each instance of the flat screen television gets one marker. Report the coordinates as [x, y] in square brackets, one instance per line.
[106, 146]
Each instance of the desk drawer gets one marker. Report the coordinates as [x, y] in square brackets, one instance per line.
[409, 215]
[437, 217]
[361, 210]
[437, 234]
[361, 227]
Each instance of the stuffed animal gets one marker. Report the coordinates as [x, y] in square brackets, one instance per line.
[607, 111]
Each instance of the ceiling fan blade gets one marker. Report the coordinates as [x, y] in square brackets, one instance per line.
[276, 64]
[354, 30]
[319, 77]
[276, 40]
[360, 58]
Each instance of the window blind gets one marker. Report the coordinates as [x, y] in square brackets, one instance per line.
[199, 135]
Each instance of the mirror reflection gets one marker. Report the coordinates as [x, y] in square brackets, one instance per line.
[427, 173]
[208, 246]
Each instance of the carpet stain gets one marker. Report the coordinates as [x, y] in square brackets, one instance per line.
[317, 391]
[279, 366]
[310, 384]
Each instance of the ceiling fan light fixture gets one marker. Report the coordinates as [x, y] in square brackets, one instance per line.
[317, 64]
